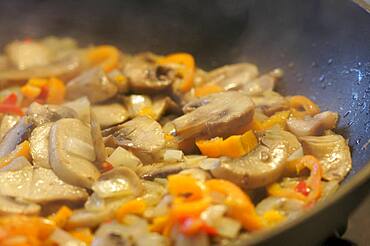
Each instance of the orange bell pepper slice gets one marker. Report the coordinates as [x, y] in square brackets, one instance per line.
[313, 182]
[206, 90]
[181, 209]
[35, 230]
[61, 217]
[240, 205]
[83, 234]
[132, 207]
[56, 91]
[302, 106]
[233, 146]
[106, 56]
[186, 69]
[184, 186]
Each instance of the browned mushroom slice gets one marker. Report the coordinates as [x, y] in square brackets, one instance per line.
[162, 105]
[9, 205]
[333, 153]
[39, 144]
[232, 77]
[65, 68]
[41, 114]
[94, 84]
[143, 136]
[145, 76]
[110, 114]
[71, 152]
[313, 126]
[260, 167]
[40, 185]
[265, 82]
[270, 102]
[222, 114]
[98, 141]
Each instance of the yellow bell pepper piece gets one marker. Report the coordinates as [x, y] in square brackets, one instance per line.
[61, 217]
[105, 55]
[83, 234]
[31, 92]
[302, 106]
[186, 69]
[132, 207]
[273, 217]
[233, 146]
[279, 118]
[57, 91]
[23, 149]
[206, 90]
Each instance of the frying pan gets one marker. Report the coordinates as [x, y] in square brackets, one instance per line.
[323, 46]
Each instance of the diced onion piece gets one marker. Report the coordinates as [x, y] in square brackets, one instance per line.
[227, 227]
[296, 154]
[213, 213]
[63, 238]
[173, 155]
[82, 108]
[77, 147]
[210, 163]
[123, 157]
[112, 188]
[95, 203]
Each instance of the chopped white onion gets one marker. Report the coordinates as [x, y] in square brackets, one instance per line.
[80, 148]
[95, 203]
[210, 163]
[63, 238]
[296, 154]
[123, 157]
[213, 213]
[82, 108]
[227, 227]
[173, 155]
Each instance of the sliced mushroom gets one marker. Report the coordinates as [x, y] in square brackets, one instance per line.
[82, 107]
[333, 153]
[71, 152]
[28, 54]
[270, 102]
[66, 67]
[143, 136]
[38, 185]
[7, 123]
[260, 167]
[9, 205]
[221, 114]
[41, 114]
[137, 104]
[118, 182]
[16, 135]
[145, 76]
[94, 84]
[98, 141]
[265, 82]
[110, 114]
[39, 145]
[162, 105]
[291, 208]
[113, 234]
[232, 77]
[313, 126]
[275, 135]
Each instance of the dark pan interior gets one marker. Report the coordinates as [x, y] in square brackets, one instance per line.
[323, 46]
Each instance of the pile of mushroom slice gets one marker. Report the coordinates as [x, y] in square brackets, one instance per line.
[112, 142]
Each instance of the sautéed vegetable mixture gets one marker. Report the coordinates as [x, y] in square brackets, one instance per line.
[100, 147]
